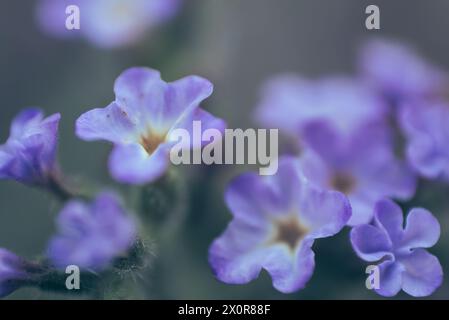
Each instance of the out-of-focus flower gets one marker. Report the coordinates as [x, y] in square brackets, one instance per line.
[426, 126]
[290, 102]
[276, 220]
[29, 154]
[398, 72]
[92, 235]
[362, 166]
[12, 272]
[140, 121]
[404, 263]
[106, 23]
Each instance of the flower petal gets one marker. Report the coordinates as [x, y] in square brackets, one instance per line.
[324, 212]
[130, 163]
[205, 121]
[27, 118]
[140, 92]
[422, 230]
[388, 216]
[236, 256]
[423, 273]
[112, 123]
[324, 139]
[391, 274]
[370, 243]
[5, 163]
[290, 273]
[184, 95]
[362, 204]
[74, 218]
[251, 198]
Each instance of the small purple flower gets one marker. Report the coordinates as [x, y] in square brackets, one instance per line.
[92, 235]
[140, 121]
[290, 102]
[12, 272]
[29, 154]
[276, 220]
[362, 166]
[426, 127]
[404, 263]
[398, 72]
[106, 23]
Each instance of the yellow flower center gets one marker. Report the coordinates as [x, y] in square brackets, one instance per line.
[289, 231]
[343, 182]
[151, 141]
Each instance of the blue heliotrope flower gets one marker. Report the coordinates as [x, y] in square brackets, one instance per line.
[140, 120]
[276, 220]
[398, 72]
[290, 102]
[106, 23]
[29, 154]
[12, 272]
[91, 235]
[425, 126]
[404, 263]
[362, 166]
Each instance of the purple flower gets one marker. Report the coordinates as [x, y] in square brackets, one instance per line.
[29, 154]
[106, 23]
[290, 102]
[276, 220]
[426, 129]
[398, 72]
[404, 263]
[92, 235]
[362, 166]
[140, 121]
[12, 272]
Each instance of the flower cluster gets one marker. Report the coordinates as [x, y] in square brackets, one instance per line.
[106, 23]
[98, 234]
[346, 174]
[350, 133]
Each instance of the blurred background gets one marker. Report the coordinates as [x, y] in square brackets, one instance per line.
[237, 44]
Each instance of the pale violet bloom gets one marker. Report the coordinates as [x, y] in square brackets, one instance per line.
[290, 102]
[398, 71]
[426, 127]
[106, 23]
[92, 235]
[403, 261]
[29, 154]
[141, 119]
[362, 166]
[276, 220]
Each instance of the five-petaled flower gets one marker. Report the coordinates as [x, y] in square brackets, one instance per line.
[276, 220]
[404, 264]
[140, 121]
[106, 23]
[29, 154]
[92, 235]
[362, 165]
